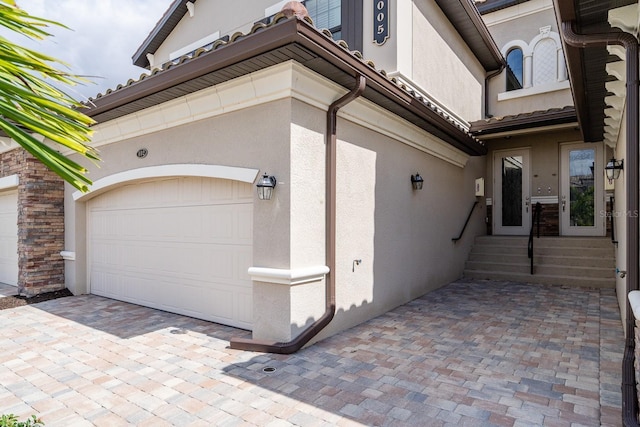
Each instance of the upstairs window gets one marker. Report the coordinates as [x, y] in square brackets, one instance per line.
[342, 17]
[514, 69]
[326, 14]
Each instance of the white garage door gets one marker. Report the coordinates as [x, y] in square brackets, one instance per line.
[182, 245]
[9, 238]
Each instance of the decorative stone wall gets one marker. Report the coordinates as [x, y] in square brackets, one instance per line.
[40, 223]
[549, 220]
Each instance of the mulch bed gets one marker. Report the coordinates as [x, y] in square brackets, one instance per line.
[19, 301]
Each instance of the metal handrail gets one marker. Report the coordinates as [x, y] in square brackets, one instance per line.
[535, 222]
[455, 239]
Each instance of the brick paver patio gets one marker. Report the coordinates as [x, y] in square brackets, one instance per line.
[474, 353]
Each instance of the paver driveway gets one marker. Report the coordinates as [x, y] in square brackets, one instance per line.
[472, 353]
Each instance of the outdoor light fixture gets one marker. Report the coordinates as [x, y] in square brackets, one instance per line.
[417, 181]
[613, 169]
[265, 187]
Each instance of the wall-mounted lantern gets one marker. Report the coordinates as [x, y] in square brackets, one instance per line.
[265, 187]
[417, 181]
[613, 169]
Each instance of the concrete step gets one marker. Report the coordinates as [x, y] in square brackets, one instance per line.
[549, 270]
[545, 241]
[570, 261]
[544, 259]
[542, 279]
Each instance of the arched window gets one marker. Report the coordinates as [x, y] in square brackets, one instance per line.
[514, 69]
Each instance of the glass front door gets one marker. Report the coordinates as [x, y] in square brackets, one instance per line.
[581, 198]
[511, 195]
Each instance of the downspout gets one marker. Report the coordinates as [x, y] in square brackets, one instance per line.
[630, 43]
[330, 240]
[486, 89]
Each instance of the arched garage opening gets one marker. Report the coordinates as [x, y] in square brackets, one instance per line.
[182, 244]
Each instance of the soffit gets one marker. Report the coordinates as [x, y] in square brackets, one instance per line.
[466, 19]
[267, 45]
[587, 67]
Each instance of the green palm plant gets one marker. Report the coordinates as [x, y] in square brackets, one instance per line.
[31, 104]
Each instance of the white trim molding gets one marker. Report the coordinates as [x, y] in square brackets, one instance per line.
[10, 181]
[68, 255]
[544, 200]
[293, 277]
[208, 171]
[534, 90]
[282, 81]
[634, 302]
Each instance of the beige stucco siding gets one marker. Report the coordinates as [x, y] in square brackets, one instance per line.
[545, 153]
[511, 29]
[402, 237]
[443, 64]
[223, 140]
[210, 17]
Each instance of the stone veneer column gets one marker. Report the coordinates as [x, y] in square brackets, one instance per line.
[40, 223]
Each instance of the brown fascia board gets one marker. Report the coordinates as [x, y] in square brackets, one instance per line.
[524, 121]
[233, 53]
[281, 34]
[495, 5]
[160, 31]
[479, 40]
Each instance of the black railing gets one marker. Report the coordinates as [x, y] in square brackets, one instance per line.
[535, 222]
[612, 219]
[455, 239]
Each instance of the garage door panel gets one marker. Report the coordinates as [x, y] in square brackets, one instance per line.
[181, 245]
[9, 238]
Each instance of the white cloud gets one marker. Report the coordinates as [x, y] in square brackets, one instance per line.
[104, 35]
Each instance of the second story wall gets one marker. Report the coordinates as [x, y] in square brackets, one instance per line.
[211, 20]
[425, 51]
[536, 79]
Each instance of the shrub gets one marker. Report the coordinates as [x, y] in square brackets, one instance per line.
[11, 420]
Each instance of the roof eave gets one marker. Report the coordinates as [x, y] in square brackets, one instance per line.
[479, 39]
[539, 120]
[158, 34]
[283, 34]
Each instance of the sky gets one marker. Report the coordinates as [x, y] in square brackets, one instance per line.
[104, 36]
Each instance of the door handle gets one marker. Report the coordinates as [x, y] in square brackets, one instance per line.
[526, 203]
[564, 202]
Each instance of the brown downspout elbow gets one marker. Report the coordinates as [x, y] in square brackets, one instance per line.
[486, 88]
[330, 239]
[630, 43]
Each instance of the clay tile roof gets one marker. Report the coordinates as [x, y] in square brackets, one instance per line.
[552, 116]
[268, 44]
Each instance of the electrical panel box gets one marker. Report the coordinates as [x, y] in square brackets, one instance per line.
[480, 187]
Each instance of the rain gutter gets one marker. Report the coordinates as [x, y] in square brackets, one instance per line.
[630, 43]
[330, 239]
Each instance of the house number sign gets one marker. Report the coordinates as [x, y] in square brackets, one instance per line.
[380, 21]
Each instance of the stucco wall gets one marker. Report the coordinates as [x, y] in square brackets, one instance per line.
[621, 217]
[210, 16]
[426, 51]
[521, 25]
[402, 237]
[545, 153]
[223, 140]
